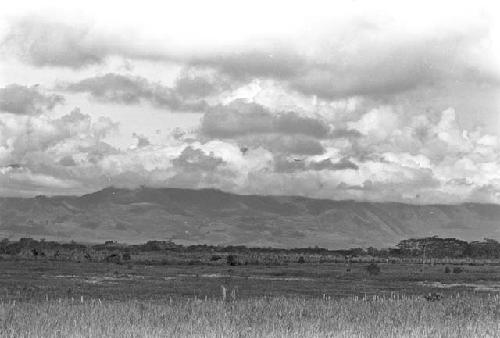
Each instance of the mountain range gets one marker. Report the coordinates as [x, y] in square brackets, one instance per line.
[209, 216]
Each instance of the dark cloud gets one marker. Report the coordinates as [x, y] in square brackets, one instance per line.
[14, 166]
[67, 161]
[236, 119]
[286, 165]
[114, 88]
[284, 144]
[289, 165]
[124, 89]
[241, 118]
[190, 85]
[22, 100]
[346, 133]
[195, 159]
[142, 141]
[364, 60]
[195, 169]
[291, 123]
[344, 164]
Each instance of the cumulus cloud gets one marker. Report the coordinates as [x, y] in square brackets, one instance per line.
[76, 157]
[194, 168]
[327, 164]
[67, 161]
[23, 100]
[189, 93]
[252, 125]
[285, 144]
[291, 165]
[41, 154]
[124, 89]
[359, 111]
[240, 118]
[34, 140]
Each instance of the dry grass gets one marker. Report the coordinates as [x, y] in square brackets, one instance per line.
[459, 316]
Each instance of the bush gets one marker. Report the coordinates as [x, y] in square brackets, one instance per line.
[301, 260]
[447, 270]
[215, 258]
[373, 269]
[231, 260]
[458, 270]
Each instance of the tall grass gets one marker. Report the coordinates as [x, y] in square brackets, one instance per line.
[459, 316]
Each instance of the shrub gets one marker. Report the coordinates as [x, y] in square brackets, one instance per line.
[301, 260]
[447, 270]
[215, 258]
[458, 270]
[231, 260]
[373, 269]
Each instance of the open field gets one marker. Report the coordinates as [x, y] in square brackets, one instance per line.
[458, 316]
[69, 299]
[30, 279]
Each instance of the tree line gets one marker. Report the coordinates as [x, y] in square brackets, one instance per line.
[428, 247]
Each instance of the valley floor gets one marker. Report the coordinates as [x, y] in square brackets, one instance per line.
[69, 299]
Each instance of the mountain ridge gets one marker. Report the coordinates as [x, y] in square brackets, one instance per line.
[211, 216]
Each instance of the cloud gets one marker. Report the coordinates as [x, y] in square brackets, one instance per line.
[67, 161]
[357, 57]
[128, 90]
[252, 125]
[142, 141]
[291, 165]
[48, 43]
[364, 59]
[23, 100]
[69, 154]
[36, 139]
[285, 144]
[194, 83]
[274, 62]
[356, 109]
[44, 43]
[195, 159]
[240, 118]
[327, 164]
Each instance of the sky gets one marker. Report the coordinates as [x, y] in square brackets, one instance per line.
[363, 100]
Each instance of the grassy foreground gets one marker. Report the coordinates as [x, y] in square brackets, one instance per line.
[458, 316]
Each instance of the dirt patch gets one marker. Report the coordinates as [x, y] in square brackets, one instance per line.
[485, 286]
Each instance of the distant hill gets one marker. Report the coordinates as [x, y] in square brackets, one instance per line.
[214, 217]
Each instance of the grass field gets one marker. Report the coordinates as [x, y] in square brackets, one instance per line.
[458, 316]
[63, 299]
[30, 279]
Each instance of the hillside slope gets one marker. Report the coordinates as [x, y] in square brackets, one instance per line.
[215, 217]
